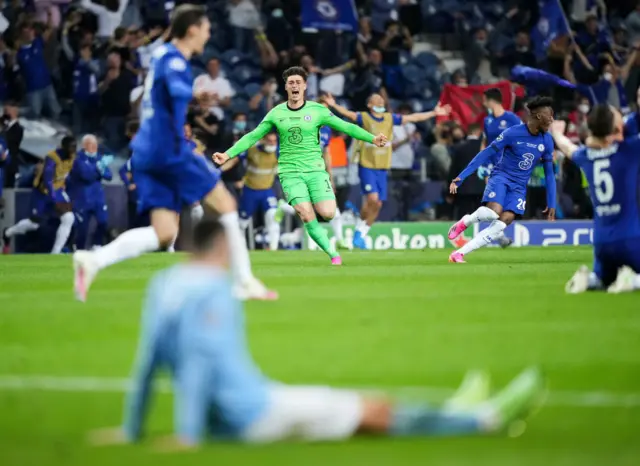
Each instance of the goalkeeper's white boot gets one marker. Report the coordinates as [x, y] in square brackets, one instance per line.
[624, 281]
[579, 283]
[85, 270]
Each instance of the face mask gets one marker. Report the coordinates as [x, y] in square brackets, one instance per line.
[481, 42]
[378, 109]
[239, 125]
[583, 108]
[277, 13]
[523, 49]
[269, 148]
[91, 154]
[607, 76]
[489, 112]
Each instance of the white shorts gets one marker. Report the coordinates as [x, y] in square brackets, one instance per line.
[307, 413]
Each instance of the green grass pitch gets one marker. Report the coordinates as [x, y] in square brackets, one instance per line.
[405, 322]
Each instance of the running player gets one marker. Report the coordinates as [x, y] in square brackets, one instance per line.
[168, 174]
[194, 328]
[375, 163]
[612, 167]
[303, 175]
[49, 197]
[505, 196]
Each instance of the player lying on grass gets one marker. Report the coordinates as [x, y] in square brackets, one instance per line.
[168, 173]
[301, 167]
[193, 326]
[522, 146]
[611, 164]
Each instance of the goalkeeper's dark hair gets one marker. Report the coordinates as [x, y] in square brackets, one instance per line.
[207, 235]
[295, 71]
[185, 16]
[601, 121]
[539, 102]
[494, 95]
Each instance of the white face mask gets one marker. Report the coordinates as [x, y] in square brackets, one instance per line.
[270, 148]
[583, 108]
[378, 109]
[607, 76]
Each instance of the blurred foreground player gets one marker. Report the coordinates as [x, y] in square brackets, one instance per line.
[167, 173]
[611, 164]
[49, 197]
[194, 327]
[505, 196]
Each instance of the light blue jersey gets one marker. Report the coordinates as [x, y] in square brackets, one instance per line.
[194, 327]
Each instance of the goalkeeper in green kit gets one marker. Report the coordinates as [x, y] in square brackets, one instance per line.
[301, 168]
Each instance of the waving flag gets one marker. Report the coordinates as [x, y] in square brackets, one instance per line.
[551, 25]
[339, 15]
[536, 79]
[466, 102]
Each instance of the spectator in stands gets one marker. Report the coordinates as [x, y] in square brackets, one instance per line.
[9, 76]
[383, 11]
[632, 24]
[217, 86]
[115, 90]
[266, 98]
[365, 36]
[278, 29]
[244, 18]
[470, 193]
[207, 125]
[12, 132]
[519, 53]
[34, 70]
[396, 39]
[109, 13]
[476, 57]
[440, 160]
[367, 78]
[313, 77]
[593, 40]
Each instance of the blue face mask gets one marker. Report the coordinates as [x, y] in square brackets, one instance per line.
[240, 125]
[91, 154]
[378, 109]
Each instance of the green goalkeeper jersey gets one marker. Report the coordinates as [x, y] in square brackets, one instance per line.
[299, 135]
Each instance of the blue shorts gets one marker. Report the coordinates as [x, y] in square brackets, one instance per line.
[373, 180]
[43, 205]
[511, 196]
[256, 199]
[173, 188]
[609, 257]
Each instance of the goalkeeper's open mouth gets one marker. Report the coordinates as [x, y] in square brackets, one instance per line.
[295, 93]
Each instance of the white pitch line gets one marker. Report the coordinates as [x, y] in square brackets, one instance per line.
[121, 385]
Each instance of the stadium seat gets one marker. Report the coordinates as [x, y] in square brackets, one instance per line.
[240, 105]
[426, 60]
[412, 74]
[246, 74]
[252, 89]
[233, 57]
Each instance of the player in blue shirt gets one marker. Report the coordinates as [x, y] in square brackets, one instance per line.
[505, 196]
[86, 191]
[495, 124]
[49, 196]
[193, 327]
[611, 164]
[167, 172]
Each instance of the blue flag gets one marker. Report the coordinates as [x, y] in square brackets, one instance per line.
[536, 79]
[338, 15]
[551, 25]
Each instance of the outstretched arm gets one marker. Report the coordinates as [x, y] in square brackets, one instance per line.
[562, 142]
[345, 112]
[249, 139]
[480, 159]
[349, 129]
[423, 116]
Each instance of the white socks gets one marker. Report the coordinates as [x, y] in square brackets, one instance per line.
[482, 214]
[240, 263]
[128, 245]
[362, 227]
[63, 232]
[273, 229]
[336, 225]
[286, 208]
[197, 212]
[23, 226]
[485, 237]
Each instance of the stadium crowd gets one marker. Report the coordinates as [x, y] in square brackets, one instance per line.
[83, 63]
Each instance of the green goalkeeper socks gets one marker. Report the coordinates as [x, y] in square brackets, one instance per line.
[319, 235]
